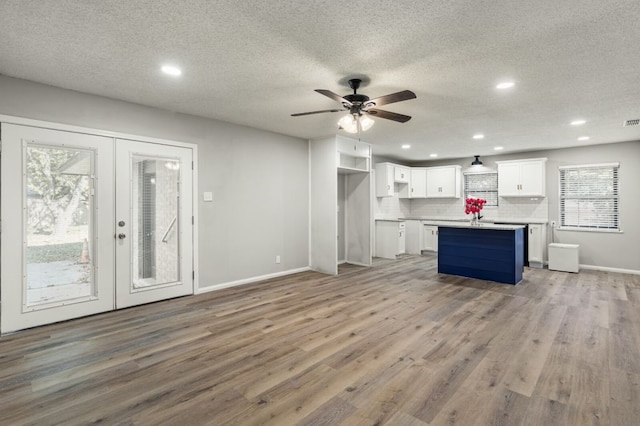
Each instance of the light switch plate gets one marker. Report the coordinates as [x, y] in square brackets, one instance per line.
[207, 196]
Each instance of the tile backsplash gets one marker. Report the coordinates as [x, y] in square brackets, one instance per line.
[524, 209]
[392, 207]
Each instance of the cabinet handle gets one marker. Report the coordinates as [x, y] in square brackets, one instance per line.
[411, 189]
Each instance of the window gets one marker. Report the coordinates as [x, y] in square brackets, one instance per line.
[589, 196]
[482, 185]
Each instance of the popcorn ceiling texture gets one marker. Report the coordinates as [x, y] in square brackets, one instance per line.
[255, 63]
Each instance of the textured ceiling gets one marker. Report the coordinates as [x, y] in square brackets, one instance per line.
[256, 62]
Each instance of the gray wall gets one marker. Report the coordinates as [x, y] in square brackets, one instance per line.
[608, 250]
[259, 179]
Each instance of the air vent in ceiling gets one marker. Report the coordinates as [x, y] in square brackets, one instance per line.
[631, 122]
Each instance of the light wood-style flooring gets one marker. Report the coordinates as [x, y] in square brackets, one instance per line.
[394, 344]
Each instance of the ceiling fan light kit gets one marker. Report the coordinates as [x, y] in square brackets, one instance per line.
[361, 108]
[351, 123]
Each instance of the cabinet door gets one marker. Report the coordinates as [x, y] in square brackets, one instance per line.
[418, 183]
[384, 180]
[401, 241]
[362, 149]
[449, 183]
[430, 238]
[433, 183]
[532, 178]
[346, 146]
[413, 236]
[402, 174]
[442, 182]
[509, 180]
[536, 243]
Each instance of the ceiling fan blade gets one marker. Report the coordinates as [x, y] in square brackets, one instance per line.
[405, 95]
[337, 98]
[380, 113]
[316, 112]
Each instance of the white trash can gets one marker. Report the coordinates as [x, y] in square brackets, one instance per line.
[564, 257]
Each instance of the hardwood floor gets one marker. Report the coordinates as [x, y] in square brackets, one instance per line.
[394, 344]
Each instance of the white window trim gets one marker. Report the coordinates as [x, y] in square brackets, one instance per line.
[585, 229]
[480, 172]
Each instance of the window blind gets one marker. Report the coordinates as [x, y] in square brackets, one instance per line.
[589, 196]
[482, 185]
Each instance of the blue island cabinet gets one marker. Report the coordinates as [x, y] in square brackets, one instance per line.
[487, 254]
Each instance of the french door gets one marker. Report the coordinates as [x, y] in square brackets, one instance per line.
[90, 224]
[154, 222]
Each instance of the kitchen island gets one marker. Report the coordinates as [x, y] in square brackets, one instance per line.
[486, 251]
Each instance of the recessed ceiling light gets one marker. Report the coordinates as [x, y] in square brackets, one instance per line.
[498, 148]
[578, 122]
[406, 146]
[505, 85]
[478, 136]
[171, 70]
[433, 155]
[583, 138]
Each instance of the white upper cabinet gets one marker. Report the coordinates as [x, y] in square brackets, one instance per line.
[443, 182]
[417, 187]
[418, 183]
[353, 156]
[522, 178]
[353, 147]
[402, 174]
[385, 180]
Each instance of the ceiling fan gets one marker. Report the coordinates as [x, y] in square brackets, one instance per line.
[360, 107]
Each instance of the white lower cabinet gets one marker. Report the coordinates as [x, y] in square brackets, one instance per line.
[430, 237]
[390, 238]
[413, 244]
[536, 243]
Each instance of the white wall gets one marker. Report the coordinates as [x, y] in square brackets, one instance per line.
[600, 249]
[259, 179]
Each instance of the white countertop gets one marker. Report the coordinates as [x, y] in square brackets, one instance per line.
[484, 219]
[467, 224]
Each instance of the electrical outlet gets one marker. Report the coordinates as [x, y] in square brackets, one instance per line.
[277, 259]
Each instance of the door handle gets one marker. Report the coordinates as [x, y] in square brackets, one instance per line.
[121, 236]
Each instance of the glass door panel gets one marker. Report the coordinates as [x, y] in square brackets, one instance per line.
[155, 246]
[59, 236]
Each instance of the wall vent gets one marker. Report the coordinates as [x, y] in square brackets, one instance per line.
[631, 122]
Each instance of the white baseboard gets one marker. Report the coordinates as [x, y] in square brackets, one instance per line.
[356, 263]
[250, 280]
[607, 269]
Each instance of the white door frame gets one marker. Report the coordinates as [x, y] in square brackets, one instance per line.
[114, 135]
